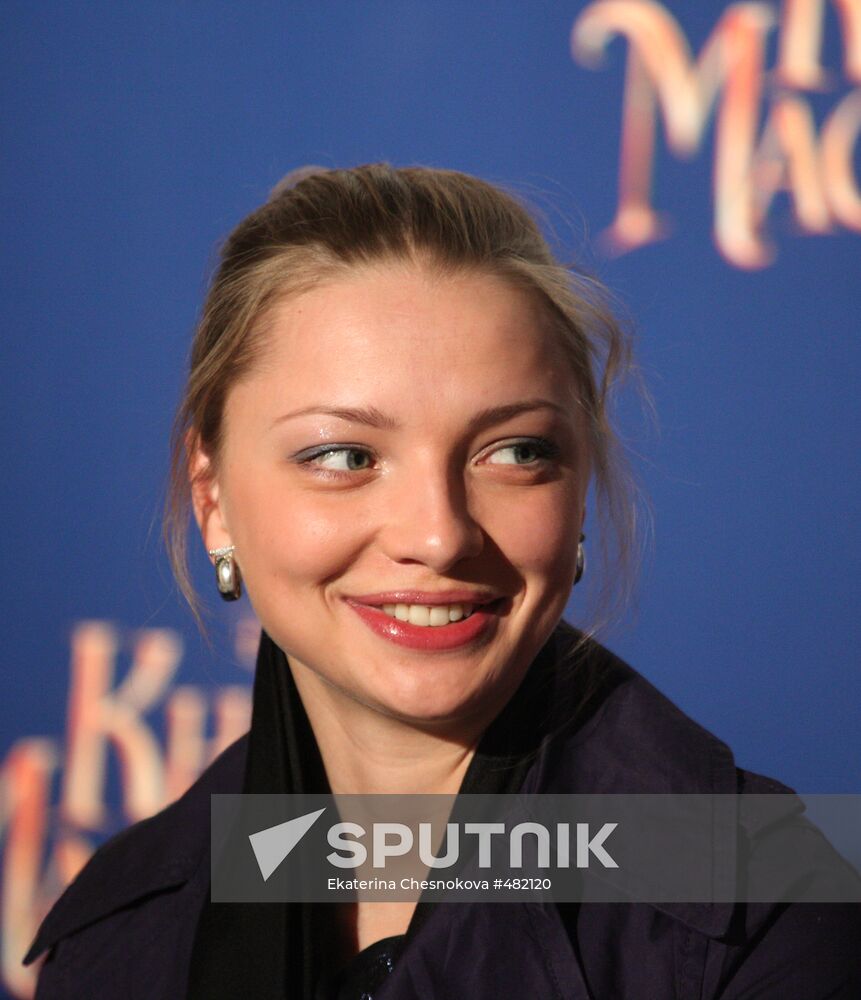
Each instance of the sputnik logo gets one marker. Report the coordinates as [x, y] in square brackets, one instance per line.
[272, 845]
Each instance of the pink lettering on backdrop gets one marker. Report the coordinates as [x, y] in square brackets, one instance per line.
[766, 138]
[45, 843]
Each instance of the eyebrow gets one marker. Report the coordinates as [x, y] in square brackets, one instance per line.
[372, 417]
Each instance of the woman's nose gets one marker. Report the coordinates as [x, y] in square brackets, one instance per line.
[429, 522]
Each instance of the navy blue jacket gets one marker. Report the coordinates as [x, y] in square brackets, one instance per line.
[124, 928]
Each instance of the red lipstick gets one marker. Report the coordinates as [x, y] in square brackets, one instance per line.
[463, 595]
[428, 637]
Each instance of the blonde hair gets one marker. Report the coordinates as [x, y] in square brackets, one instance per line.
[320, 223]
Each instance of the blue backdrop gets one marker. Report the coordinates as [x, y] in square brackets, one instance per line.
[135, 135]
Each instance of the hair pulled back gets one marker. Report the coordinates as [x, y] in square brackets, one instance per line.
[319, 224]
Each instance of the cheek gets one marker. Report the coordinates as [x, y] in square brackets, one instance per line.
[539, 537]
[292, 539]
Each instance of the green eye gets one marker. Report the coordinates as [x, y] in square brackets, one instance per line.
[336, 459]
[524, 452]
[342, 460]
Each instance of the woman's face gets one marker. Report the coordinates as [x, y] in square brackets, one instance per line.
[408, 447]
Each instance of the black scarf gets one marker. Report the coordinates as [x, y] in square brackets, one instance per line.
[278, 951]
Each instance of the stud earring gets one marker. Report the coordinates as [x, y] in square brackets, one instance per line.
[580, 568]
[227, 577]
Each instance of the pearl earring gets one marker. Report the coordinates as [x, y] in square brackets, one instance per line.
[227, 577]
[580, 568]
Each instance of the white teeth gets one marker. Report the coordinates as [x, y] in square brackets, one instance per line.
[419, 614]
[433, 615]
[438, 615]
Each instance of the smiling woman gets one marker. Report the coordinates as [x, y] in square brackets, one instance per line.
[396, 407]
[460, 493]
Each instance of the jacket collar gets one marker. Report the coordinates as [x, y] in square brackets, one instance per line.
[634, 740]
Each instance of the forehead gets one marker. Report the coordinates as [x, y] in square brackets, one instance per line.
[411, 342]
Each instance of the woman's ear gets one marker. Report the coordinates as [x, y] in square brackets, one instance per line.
[206, 496]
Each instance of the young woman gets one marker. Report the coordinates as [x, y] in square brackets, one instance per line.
[396, 405]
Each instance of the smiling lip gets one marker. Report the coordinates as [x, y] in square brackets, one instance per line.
[430, 598]
[432, 638]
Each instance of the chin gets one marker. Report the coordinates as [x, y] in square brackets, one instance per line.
[436, 700]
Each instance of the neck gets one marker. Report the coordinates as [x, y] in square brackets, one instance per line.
[366, 752]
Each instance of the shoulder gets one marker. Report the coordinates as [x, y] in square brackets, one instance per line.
[631, 738]
[160, 861]
[620, 734]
